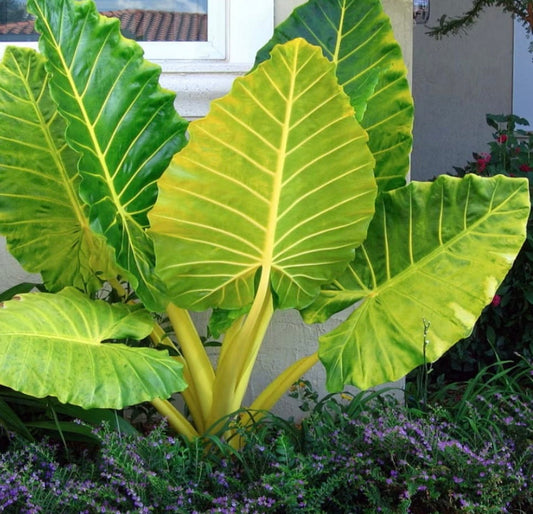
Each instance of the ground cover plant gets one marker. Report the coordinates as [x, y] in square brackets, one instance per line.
[356, 454]
[290, 193]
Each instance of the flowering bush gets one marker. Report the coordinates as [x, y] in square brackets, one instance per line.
[358, 456]
[510, 151]
[505, 327]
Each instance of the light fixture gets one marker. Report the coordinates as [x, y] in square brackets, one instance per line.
[420, 11]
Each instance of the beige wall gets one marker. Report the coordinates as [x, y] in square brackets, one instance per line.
[456, 81]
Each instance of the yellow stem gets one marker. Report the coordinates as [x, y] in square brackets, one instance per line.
[160, 337]
[193, 351]
[251, 357]
[277, 388]
[175, 418]
[272, 393]
[118, 287]
[190, 396]
[229, 336]
[239, 354]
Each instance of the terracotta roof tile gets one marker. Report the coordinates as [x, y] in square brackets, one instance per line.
[17, 28]
[142, 25]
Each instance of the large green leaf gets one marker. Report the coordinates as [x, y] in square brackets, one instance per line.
[51, 345]
[276, 179]
[435, 252]
[41, 214]
[120, 121]
[357, 36]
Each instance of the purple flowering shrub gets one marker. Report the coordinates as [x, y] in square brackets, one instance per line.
[34, 480]
[346, 456]
[394, 461]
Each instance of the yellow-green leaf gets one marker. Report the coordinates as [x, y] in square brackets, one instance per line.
[122, 123]
[357, 36]
[41, 213]
[435, 253]
[276, 179]
[54, 345]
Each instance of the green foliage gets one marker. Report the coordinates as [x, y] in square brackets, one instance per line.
[32, 418]
[29, 317]
[290, 193]
[521, 9]
[351, 454]
[505, 328]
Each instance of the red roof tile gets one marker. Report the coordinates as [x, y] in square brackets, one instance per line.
[143, 25]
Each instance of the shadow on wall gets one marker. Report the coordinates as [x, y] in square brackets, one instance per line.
[456, 82]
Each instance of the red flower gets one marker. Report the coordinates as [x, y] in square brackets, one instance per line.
[502, 138]
[482, 161]
[496, 300]
[525, 167]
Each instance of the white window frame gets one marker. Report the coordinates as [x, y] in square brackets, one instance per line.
[236, 30]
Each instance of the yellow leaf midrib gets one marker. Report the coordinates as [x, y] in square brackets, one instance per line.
[86, 119]
[270, 242]
[74, 200]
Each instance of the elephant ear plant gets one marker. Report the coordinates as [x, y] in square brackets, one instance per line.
[289, 194]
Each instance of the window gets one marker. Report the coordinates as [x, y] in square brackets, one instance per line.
[198, 71]
[230, 30]
[198, 26]
[159, 20]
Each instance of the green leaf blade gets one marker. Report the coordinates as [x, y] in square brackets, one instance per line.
[276, 179]
[51, 345]
[119, 119]
[41, 214]
[357, 36]
[436, 253]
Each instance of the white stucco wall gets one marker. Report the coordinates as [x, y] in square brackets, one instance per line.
[196, 84]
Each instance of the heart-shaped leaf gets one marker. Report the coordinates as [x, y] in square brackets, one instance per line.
[41, 214]
[277, 179]
[51, 345]
[435, 253]
[357, 36]
[120, 121]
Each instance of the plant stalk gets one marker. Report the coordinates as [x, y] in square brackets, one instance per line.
[175, 418]
[281, 384]
[240, 352]
[198, 363]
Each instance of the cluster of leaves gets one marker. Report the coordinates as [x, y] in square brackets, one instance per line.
[365, 453]
[505, 327]
[520, 9]
[318, 133]
[510, 152]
